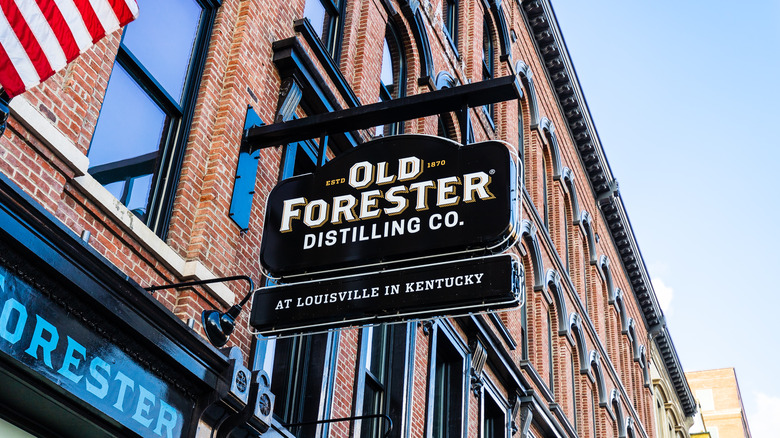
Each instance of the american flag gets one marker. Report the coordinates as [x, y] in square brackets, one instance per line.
[40, 37]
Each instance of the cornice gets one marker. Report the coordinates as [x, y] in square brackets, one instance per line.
[552, 50]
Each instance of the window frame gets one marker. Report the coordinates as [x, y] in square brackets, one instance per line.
[392, 382]
[177, 125]
[398, 64]
[451, 15]
[490, 394]
[442, 332]
[488, 65]
[335, 11]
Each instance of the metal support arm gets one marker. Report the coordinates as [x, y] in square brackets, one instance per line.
[383, 113]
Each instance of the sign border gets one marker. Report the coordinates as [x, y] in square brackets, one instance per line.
[519, 295]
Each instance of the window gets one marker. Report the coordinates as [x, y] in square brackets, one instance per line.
[450, 16]
[446, 397]
[574, 392]
[494, 424]
[381, 385]
[585, 272]
[488, 51]
[594, 418]
[325, 17]
[392, 79]
[524, 326]
[300, 158]
[550, 350]
[140, 136]
[546, 207]
[300, 366]
[297, 379]
[520, 140]
[706, 399]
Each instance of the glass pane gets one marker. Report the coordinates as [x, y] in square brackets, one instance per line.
[139, 195]
[116, 188]
[378, 350]
[387, 66]
[318, 17]
[162, 39]
[130, 123]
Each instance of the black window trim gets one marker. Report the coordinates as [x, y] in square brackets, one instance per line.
[173, 140]
[443, 329]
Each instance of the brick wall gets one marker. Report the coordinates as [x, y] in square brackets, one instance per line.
[239, 71]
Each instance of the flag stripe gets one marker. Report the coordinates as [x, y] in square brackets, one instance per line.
[27, 40]
[106, 15]
[90, 20]
[40, 37]
[43, 33]
[12, 82]
[60, 28]
[17, 72]
[123, 12]
[76, 24]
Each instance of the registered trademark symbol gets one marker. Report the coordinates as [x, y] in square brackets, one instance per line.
[492, 171]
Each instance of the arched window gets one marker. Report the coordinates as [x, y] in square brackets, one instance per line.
[567, 248]
[593, 417]
[448, 126]
[545, 207]
[450, 16]
[521, 140]
[574, 367]
[585, 276]
[325, 18]
[392, 79]
[488, 55]
[551, 349]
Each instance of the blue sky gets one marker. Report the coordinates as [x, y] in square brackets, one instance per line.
[685, 98]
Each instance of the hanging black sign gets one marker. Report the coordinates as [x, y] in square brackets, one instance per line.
[472, 285]
[389, 199]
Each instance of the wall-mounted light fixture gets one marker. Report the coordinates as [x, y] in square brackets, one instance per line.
[217, 325]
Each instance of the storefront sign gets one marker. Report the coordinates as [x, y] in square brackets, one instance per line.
[390, 199]
[61, 347]
[472, 285]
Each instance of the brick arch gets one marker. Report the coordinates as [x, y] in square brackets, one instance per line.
[636, 347]
[552, 285]
[500, 27]
[418, 34]
[445, 79]
[567, 177]
[630, 428]
[598, 375]
[526, 78]
[620, 306]
[603, 265]
[615, 403]
[575, 327]
[586, 222]
[551, 145]
[528, 235]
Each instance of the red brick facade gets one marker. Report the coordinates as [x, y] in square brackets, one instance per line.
[575, 274]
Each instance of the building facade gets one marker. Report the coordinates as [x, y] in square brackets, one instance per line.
[720, 402]
[129, 170]
[672, 418]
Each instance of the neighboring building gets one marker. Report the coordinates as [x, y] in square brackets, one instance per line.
[720, 402]
[127, 171]
[673, 417]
